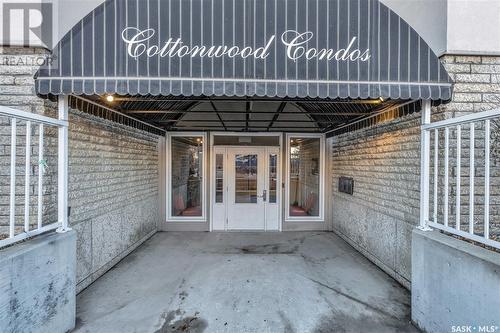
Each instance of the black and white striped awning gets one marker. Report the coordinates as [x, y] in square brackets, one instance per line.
[335, 49]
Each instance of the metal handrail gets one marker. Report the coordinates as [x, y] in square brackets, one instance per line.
[463, 119]
[443, 128]
[28, 116]
[40, 121]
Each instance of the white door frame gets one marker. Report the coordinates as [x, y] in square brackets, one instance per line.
[212, 171]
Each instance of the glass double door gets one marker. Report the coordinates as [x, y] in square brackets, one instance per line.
[251, 191]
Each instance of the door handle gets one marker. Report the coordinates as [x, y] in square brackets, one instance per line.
[264, 195]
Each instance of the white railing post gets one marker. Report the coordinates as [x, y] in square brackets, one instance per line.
[487, 133]
[446, 175]
[425, 148]
[62, 159]
[436, 175]
[472, 162]
[27, 174]
[12, 213]
[41, 166]
[458, 179]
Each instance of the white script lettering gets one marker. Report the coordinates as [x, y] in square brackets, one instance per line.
[296, 45]
[296, 42]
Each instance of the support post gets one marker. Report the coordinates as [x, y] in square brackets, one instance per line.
[425, 148]
[62, 170]
[12, 215]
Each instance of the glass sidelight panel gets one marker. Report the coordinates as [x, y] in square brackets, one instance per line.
[304, 182]
[219, 178]
[246, 179]
[273, 177]
[187, 176]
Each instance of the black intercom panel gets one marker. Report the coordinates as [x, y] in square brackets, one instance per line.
[346, 185]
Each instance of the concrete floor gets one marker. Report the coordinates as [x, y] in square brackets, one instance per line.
[244, 282]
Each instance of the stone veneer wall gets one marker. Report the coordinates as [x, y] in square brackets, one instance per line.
[377, 220]
[113, 173]
[384, 161]
[113, 192]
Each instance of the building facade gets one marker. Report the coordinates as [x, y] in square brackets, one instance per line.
[151, 150]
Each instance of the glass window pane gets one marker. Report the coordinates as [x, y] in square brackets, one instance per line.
[273, 177]
[246, 179]
[219, 178]
[304, 176]
[187, 176]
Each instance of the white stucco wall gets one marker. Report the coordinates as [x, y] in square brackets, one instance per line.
[473, 27]
[464, 27]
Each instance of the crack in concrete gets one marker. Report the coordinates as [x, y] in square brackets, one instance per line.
[352, 298]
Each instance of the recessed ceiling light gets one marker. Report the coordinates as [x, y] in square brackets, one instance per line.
[110, 98]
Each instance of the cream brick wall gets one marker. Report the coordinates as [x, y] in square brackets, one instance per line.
[113, 192]
[113, 174]
[477, 83]
[384, 161]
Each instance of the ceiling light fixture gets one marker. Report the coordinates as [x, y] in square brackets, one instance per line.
[110, 98]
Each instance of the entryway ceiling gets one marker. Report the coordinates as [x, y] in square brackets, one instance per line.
[244, 115]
